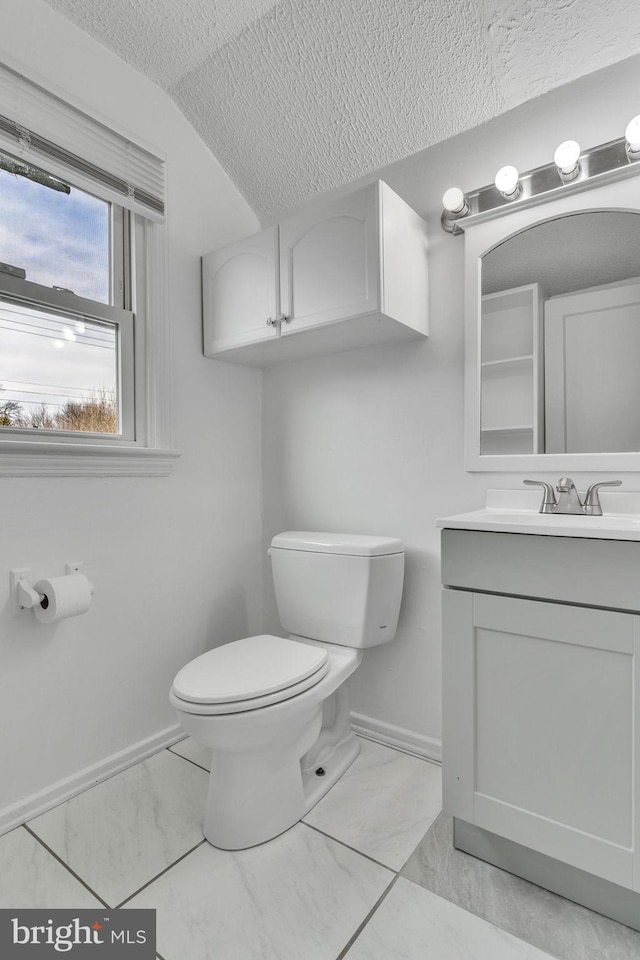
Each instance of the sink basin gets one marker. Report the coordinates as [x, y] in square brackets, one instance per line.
[515, 511]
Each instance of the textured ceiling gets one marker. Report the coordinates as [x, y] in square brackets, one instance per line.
[567, 253]
[300, 96]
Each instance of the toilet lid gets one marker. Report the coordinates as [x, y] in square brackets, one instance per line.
[248, 668]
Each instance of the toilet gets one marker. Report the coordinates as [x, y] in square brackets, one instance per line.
[275, 711]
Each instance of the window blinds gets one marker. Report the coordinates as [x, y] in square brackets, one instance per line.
[40, 128]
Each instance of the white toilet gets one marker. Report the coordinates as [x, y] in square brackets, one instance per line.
[274, 711]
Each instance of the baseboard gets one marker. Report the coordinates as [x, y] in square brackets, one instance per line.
[398, 737]
[51, 796]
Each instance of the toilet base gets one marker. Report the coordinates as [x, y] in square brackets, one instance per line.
[315, 785]
[285, 793]
[258, 794]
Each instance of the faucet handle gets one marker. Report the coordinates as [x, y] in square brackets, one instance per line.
[592, 506]
[549, 498]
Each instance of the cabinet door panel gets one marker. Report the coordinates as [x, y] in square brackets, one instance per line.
[239, 291]
[547, 756]
[545, 710]
[330, 263]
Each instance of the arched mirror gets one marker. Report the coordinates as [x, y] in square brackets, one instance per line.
[553, 335]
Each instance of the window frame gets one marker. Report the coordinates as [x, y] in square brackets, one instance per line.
[118, 313]
[138, 280]
[151, 452]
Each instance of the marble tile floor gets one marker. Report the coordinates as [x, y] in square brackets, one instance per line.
[369, 874]
[551, 923]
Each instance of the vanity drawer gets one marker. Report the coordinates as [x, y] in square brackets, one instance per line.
[598, 573]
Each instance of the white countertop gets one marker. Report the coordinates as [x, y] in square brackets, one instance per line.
[518, 511]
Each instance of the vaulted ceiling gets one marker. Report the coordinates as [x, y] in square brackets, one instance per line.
[300, 96]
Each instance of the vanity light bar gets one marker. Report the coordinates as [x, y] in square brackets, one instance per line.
[571, 170]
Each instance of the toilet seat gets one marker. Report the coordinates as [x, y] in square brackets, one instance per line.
[247, 674]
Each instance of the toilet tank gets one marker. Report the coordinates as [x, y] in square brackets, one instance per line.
[339, 588]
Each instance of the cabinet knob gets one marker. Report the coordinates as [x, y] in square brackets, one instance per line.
[271, 322]
[283, 318]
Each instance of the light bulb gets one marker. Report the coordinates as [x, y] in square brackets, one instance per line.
[453, 200]
[508, 182]
[566, 158]
[632, 136]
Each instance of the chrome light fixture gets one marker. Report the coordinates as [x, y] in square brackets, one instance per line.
[571, 170]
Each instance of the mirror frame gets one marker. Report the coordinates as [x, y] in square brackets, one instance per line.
[479, 239]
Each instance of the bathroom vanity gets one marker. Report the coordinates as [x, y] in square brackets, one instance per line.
[541, 600]
[541, 651]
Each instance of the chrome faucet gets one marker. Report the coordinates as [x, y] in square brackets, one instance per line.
[569, 500]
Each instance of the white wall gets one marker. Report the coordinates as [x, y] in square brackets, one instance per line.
[372, 441]
[175, 561]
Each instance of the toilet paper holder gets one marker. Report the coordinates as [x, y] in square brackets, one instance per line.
[26, 596]
[23, 595]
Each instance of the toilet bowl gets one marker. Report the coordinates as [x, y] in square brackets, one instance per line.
[275, 710]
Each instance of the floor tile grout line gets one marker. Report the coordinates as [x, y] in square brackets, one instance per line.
[188, 760]
[67, 867]
[323, 833]
[366, 920]
[421, 841]
[158, 875]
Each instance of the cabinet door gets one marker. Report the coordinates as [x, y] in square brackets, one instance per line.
[330, 262]
[240, 292]
[539, 742]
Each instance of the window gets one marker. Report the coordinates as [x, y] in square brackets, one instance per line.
[83, 313]
[65, 331]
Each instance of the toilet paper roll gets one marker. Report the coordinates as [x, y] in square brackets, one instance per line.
[64, 597]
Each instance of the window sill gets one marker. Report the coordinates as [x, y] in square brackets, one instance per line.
[26, 458]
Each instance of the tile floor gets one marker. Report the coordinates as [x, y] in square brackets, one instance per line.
[369, 874]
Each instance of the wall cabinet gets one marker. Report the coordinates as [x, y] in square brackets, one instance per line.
[353, 275]
[541, 721]
[511, 380]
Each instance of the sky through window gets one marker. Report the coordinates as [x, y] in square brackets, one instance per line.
[47, 360]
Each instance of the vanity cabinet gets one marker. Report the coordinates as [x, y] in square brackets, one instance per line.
[353, 274]
[541, 739]
[511, 382]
